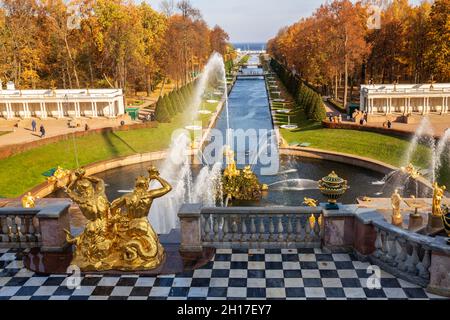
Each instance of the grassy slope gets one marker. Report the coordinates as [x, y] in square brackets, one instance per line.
[377, 146]
[24, 171]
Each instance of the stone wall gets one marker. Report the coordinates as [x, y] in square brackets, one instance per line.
[10, 150]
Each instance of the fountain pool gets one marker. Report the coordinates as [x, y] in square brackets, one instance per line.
[297, 179]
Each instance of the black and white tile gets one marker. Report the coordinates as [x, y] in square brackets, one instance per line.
[232, 274]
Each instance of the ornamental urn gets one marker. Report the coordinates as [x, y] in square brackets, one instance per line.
[333, 187]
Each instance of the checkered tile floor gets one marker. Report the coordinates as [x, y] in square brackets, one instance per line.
[233, 274]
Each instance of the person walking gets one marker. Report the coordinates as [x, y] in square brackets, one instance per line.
[33, 125]
[389, 124]
[42, 131]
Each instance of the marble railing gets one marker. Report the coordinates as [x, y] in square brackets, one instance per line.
[19, 229]
[251, 227]
[41, 227]
[403, 253]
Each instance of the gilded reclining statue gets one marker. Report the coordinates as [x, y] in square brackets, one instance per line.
[118, 235]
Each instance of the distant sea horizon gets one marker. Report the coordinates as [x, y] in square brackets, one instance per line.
[254, 46]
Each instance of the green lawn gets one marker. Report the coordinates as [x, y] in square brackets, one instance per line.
[385, 148]
[367, 144]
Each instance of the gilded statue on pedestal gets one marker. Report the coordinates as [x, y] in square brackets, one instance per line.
[438, 196]
[118, 236]
[28, 201]
[397, 219]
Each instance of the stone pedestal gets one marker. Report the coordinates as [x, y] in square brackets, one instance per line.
[415, 222]
[191, 236]
[53, 220]
[397, 221]
[338, 228]
[440, 274]
[435, 222]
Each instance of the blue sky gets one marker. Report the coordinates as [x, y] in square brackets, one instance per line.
[253, 20]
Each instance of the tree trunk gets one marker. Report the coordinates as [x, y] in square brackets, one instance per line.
[75, 73]
[345, 84]
[336, 87]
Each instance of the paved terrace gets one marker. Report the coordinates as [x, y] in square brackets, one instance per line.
[298, 274]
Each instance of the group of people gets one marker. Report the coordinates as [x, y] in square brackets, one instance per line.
[335, 119]
[360, 116]
[41, 128]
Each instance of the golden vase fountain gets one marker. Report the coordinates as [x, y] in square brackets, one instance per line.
[333, 187]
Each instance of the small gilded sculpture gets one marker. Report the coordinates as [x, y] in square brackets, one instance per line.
[397, 219]
[118, 236]
[28, 201]
[411, 171]
[438, 196]
[310, 202]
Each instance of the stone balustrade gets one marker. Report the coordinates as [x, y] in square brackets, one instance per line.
[250, 227]
[19, 229]
[40, 227]
[404, 254]
[414, 257]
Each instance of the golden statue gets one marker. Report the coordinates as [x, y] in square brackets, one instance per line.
[28, 201]
[397, 218]
[411, 171]
[310, 202]
[240, 184]
[118, 236]
[438, 196]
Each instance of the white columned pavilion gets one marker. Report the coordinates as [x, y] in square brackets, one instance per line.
[419, 99]
[73, 103]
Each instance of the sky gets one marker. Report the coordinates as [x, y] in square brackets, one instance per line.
[253, 20]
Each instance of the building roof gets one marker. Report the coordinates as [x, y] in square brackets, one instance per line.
[406, 88]
[61, 93]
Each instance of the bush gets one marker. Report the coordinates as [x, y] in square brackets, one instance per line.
[161, 113]
[306, 98]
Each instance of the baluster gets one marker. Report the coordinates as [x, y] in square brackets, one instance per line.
[290, 229]
[413, 259]
[243, 229]
[384, 248]
[11, 229]
[37, 229]
[254, 236]
[378, 245]
[317, 227]
[226, 228]
[307, 231]
[387, 248]
[393, 250]
[216, 228]
[280, 229]
[262, 229]
[21, 230]
[31, 229]
[299, 230]
[4, 229]
[401, 254]
[271, 229]
[234, 229]
[424, 266]
[208, 228]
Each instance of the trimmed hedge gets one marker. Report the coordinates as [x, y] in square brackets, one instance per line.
[305, 97]
[173, 103]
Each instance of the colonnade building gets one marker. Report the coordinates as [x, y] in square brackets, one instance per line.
[406, 99]
[73, 103]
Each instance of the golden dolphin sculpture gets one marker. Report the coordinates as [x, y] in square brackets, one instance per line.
[118, 235]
